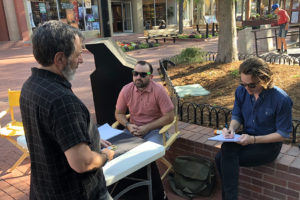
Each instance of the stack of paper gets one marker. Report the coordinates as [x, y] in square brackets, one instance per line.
[107, 132]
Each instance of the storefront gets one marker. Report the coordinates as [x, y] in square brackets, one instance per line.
[121, 16]
[82, 14]
[154, 11]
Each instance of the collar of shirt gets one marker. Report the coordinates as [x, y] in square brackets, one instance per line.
[50, 75]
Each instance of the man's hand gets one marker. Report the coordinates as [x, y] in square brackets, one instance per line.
[110, 153]
[228, 133]
[132, 128]
[105, 143]
[246, 139]
[141, 131]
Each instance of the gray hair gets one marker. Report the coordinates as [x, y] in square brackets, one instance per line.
[52, 37]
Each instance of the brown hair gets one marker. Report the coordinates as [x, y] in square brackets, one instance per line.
[259, 70]
[142, 62]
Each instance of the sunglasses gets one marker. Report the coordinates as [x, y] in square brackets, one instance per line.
[250, 85]
[142, 74]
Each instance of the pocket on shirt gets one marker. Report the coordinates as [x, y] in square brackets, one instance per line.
[267, 118]
[268, 112]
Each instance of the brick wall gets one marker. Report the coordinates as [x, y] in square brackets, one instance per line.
[277, 180]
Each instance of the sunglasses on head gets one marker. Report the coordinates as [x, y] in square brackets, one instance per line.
[250, 85]
[142, 74]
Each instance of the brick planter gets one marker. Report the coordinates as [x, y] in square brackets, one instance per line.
[277, 180]
[258, 22]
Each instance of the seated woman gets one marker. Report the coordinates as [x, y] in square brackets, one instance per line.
[162, 24]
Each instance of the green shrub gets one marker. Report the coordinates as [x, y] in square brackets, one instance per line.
[183, 36]
[130, 48]
[189, 55]
[155, 45]
[234, 72]
[198, 36]
[143, 46]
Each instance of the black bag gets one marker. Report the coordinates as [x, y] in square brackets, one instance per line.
[193, 177]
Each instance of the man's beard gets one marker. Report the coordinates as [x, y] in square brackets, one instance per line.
[140, 84]
[68, 72]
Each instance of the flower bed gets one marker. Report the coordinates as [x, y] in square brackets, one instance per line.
[130, 46]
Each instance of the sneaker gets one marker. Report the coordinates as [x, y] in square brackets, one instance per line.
[285, 51]
[278, 50]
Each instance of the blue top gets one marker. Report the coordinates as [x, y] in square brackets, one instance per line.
[272, 112]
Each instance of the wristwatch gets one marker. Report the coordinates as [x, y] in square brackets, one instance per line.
[126, 124]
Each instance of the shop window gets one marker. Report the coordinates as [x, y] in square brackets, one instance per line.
[153, 13]
[82, 14]
[92, 15]
[43, 11]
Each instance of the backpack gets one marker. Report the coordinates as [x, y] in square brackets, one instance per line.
[193, 176]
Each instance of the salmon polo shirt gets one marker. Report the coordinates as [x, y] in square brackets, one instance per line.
[144, 106]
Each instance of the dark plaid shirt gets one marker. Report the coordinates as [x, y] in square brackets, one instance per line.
[55, 120]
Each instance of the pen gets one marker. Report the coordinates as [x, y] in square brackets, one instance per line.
[219, 132]
[226, 126]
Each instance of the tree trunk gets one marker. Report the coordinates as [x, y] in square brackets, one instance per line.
[227, 45]
[248, 9]
[181, 16]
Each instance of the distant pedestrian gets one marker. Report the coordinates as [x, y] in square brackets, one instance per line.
[162, 24]
[283, 21]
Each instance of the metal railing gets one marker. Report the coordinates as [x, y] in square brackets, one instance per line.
[290, 33]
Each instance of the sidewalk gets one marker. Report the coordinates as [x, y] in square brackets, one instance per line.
[16, 60]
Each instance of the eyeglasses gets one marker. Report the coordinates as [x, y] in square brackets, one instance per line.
[142, 74]
[250, 85]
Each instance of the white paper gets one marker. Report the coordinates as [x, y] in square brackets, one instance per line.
[221, 138]
[107, 132]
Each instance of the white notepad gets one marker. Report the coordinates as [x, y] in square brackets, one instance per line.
[220, 138]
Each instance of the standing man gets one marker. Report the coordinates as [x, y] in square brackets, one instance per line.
[148, 103]
[266, 115]
[63, 142]
[283, 22]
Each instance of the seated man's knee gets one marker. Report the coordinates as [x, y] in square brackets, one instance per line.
[229, 147]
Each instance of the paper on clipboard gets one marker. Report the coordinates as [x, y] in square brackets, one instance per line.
[107, 132]
[220, 138]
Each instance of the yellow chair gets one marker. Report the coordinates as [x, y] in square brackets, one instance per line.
[167, 142]
[13, 128]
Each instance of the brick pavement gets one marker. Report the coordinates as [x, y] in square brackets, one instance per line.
[16, 61]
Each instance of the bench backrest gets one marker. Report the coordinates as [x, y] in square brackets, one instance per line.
[169, 31]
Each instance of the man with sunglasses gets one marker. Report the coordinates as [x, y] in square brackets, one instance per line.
[150, 109]
[148, 103]
[265, 112]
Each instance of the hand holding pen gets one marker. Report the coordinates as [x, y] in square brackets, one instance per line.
[227, 132]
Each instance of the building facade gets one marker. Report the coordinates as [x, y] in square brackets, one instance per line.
[18, 18]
